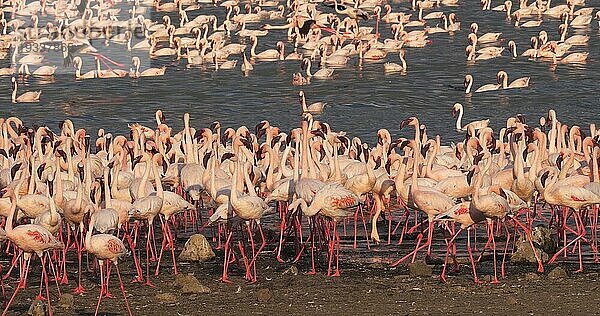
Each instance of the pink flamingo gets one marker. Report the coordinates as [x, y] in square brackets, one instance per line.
[29, 238]
[107, 248]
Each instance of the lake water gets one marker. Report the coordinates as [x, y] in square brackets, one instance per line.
[359, 101]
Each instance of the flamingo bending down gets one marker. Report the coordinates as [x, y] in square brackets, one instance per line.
[334, 202]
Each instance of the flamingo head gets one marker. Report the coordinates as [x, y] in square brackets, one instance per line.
[261, 128]
[456, 108]
[409, 121]
[470, 175]
[318, 132]
[214, 126]
[544, 178]
[559, 160]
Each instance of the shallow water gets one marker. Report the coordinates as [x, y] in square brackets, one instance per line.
[359, 101]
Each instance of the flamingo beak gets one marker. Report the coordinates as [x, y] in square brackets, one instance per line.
[405, 122]
[14, 169]
[559, 161]
[544, 177]
[227, 156]
[40, 170]
[470, 176]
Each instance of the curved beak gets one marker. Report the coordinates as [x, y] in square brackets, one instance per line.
[405, 122]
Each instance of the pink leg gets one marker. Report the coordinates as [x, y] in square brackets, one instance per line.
[471, 257]
[123, 290]
[101, 286]
[163, 244]
[224, 277]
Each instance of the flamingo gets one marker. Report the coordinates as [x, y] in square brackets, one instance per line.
[334, 202]
[27, 97]
[107, 248]
[30, 239]
[457, 108]
[517, 83]
[323, 73]
[314, 108]
[485, 88]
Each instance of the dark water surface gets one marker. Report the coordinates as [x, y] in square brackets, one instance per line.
[359, 102]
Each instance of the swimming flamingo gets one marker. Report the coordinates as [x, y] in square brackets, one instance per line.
[517, 83]
[27, 97]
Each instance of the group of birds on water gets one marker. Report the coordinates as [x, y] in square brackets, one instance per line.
[326, 33]
[64, 194]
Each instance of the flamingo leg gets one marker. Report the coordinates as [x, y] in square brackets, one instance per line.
[505, 251]
[148, 250]
[224, 277]
[471, 257]
[79, 289]
[45, 277]
[337, 254]
[448, 248]
[162, 246]
[172, 246]
[262, 245]
[123, 289]
[132, 244]
[101, 286]
[528, 237]
[495, 280]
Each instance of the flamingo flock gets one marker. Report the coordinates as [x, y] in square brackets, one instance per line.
[64, 194]
[330, 34]
[73, 193]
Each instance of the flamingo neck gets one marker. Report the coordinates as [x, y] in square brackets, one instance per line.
[460, 113]
[504, 81]
[469, 86]
[308, 66]
[14, 93]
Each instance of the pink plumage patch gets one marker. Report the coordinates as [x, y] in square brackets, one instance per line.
[37, 236]
[114, 246]
[343, 202]
[461, 211]
[574, 198]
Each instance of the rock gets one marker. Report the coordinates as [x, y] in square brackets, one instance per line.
[557, 273]
[188, 284]
[291, 270]
[542, 241]
[542, 238]
[37, 308]
[419, 269]
[197, 248]
[531, 276]
[511, 300]
[166, 298]
[263, 295]
[66, 301]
